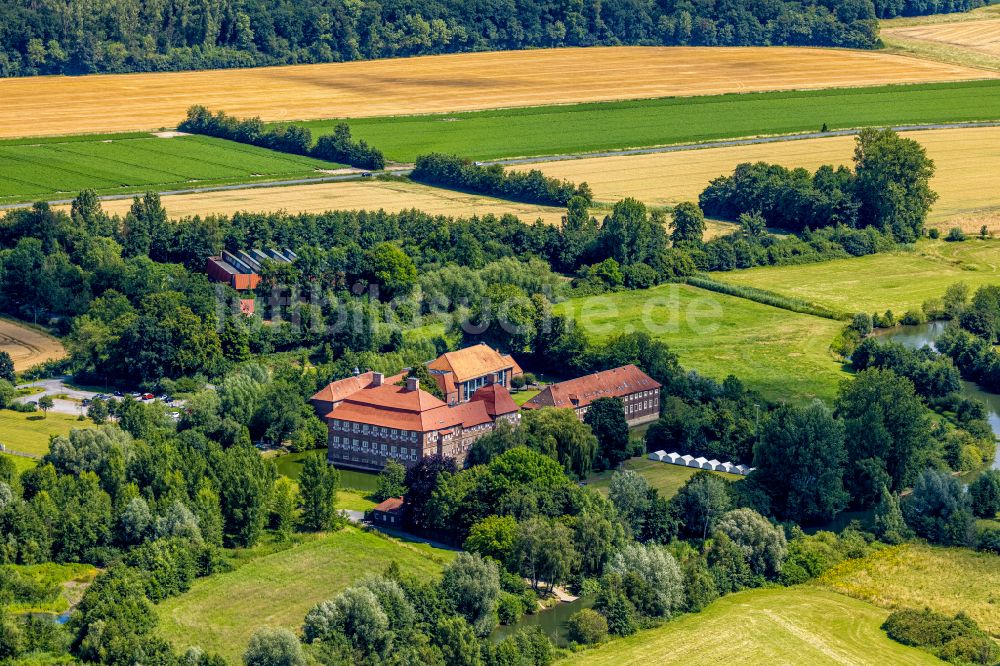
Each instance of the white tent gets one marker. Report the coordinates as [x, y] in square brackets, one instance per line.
[686, 461]
[727, 467]
[698, 462]
[742, 469]
[657, 455]
[713, 464]
[673, 458]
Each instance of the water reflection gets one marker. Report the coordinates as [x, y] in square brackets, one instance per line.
[551, 620]
[290, 465]
[915, 337]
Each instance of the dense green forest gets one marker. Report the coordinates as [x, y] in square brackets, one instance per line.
[80, 37]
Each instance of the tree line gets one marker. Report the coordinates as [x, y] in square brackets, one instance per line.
[493, 180]
[794, 199]
[132, 296]
[73, 37]
[286, 138]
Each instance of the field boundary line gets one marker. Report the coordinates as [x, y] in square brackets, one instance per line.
[542, 159]
[765, 297]
[727, 143]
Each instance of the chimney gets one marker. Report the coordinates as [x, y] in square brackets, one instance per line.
[412, 384]
[377, 379]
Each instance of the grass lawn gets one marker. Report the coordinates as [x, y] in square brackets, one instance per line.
[31, 169]
[221, 612]
[783, 354]
[947, 580]
[521, 397]
[576, 128]
[21, 464]
[794, 626]
[30, 432]
[667, 479]
[352, 500]
[899, 280]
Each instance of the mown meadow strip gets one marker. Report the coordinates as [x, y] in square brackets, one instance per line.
[767, 298]
[579, 128]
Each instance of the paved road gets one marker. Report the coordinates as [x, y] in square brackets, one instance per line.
[57, 386]
[405, 171]
[72, 402]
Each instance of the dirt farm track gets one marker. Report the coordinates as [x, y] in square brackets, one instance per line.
[459, 82]
[28, 346]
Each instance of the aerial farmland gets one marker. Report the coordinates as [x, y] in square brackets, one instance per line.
[499, 334]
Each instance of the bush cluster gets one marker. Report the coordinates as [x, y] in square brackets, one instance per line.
[530, 186]
[336, 147]
[795, 200]
[958, 639]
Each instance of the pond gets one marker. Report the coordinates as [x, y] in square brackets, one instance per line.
[551, 620]
[915, 337]
[290, 465]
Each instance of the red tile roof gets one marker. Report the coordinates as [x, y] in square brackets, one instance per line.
[390, 505]
[342, 388]
[582, 391]
[471, 362]
[468, 414]
[496, 399]
[445, 382]
[390, 406]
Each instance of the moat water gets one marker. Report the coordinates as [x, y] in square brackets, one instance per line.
[925, 335]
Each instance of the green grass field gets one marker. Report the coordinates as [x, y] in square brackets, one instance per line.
[899, 281]
[521, 397]
[221, 612]
[579, 128]
[30, 433]
[71, 581]
[667, 479]
[783, 354]
[947, 580]
[795, 626]
[33, 169]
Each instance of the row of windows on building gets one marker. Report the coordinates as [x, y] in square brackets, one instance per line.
[374, 448]
[365, 429]
[639, 407]
[473, 385]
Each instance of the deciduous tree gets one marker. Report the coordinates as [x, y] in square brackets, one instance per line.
[318, 493]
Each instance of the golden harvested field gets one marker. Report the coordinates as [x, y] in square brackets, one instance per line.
[392, 196]
[457, 82]
[28, 346]
[981, 36]
[967, 162]
[971, 38]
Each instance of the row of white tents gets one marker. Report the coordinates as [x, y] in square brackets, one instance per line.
[699, 463]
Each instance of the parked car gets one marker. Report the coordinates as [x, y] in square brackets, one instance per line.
[148, 396]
